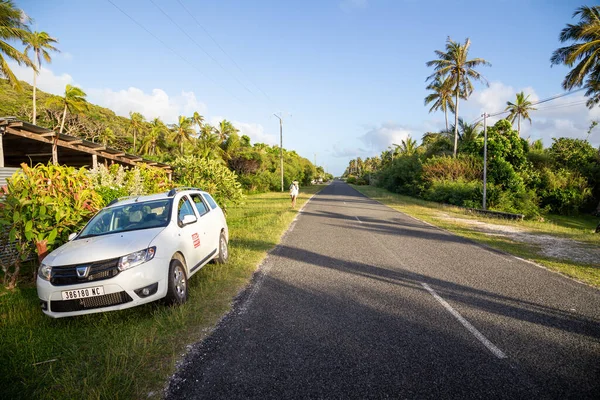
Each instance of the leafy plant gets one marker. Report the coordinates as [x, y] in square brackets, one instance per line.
[42, 206]
[209, 175]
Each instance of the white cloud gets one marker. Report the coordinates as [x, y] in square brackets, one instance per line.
[387, 134]
[46, 80]
[151, 105]
[349, 5]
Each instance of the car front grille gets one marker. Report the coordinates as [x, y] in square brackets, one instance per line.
[99, 270]
[89, 303]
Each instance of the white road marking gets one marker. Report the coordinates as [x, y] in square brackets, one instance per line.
[491, 347]
[358, 220]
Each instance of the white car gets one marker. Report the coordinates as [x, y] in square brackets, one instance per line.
[132, 252]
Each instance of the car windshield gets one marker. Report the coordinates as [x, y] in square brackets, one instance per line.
[129, 217]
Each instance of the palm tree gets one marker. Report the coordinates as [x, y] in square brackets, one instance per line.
[74, 102]
[182, 131]
[519, 109]
[107, 136]
[40, 43]
[12, 27]
[150, 144]
[225, 129]
[455, 64]
[406, 147]
[198, 119]
[137, 125]
[441, 97]
[467, 132]
[585, 52]
[208, 143]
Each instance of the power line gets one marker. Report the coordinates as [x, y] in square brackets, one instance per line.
[200, 47]
[224, 52]
[174, 52]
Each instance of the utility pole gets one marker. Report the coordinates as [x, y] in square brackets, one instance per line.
[280, 147]
[484, 159]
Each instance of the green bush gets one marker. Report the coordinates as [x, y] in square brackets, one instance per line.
[41, 207]
[563, 191]
[351, 179]
[209, 175]
[457, 192]
[403, 176]
[466, 167]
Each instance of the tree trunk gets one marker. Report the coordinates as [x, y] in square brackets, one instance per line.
[519, 125]
[446, 115]
[34, 105]
[62, 123]
[456, 120]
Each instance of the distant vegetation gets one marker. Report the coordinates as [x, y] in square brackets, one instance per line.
[522, 176]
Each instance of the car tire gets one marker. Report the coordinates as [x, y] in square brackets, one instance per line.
[223, 250]
[177, 290]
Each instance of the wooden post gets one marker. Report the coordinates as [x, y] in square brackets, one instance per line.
[55, 150]
[2, 149]
[94, 161]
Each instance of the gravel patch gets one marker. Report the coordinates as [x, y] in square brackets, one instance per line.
[550, 246]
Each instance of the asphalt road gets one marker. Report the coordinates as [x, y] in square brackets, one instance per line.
[361, 301]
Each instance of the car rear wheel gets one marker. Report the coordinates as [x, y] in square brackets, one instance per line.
[223, 250]
[177, 291]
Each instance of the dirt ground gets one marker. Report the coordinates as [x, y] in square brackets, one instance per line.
[550, 246]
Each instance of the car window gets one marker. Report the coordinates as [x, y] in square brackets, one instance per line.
[184, 208]
[210, 201]
[128, 217]
[199, 203]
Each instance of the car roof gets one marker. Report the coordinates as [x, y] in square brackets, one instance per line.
[155, 196]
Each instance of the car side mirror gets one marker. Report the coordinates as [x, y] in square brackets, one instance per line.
[72, 236]
[188, 219]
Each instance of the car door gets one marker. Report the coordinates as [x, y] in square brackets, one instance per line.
[207, 223]
[191, 234]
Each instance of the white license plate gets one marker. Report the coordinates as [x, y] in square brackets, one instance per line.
[82, 293]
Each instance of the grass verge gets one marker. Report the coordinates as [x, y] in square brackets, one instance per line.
[578, 228]
[131, 353]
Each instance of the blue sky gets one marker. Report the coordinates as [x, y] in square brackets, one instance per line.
[348, 75]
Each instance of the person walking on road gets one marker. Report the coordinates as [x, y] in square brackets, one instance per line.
[294, 190]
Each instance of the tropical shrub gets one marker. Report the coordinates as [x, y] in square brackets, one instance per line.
[458, 192]
[466, 167]
[563, 191]
[114, 181]
[42, 206]
[403, 175]
[209, 175]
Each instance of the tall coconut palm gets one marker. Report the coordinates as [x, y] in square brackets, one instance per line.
[12, 27]
[455, 64]
[182, 131]
[137, 126]
[441, 97]
[198, 119]
[519, 109]
[225, 129]
[585, 53]
[40, 43]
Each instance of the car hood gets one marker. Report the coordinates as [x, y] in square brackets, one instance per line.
[101, 247]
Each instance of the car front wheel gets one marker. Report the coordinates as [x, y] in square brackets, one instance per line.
[223, 250]
[177, 292]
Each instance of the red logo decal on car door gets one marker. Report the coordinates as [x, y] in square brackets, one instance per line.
[196, 239]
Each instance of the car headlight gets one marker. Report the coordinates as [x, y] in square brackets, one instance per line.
[45, 272]
[136, 258]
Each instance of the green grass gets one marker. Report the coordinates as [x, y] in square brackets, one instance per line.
[131, 353]
[579, 228]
